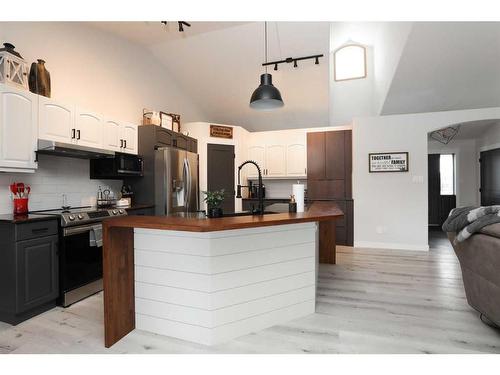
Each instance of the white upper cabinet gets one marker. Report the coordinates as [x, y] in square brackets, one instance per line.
[275, 160]
[257, 153]
[112, 135]
[130, 134]
[280, 154]
[296, 160]
[56, 121]
[120, 137]
[18, 130]
[89, 129]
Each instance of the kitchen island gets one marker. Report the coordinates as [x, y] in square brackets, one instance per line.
[211, 280]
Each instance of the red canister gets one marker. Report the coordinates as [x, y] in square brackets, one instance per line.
[20, 206]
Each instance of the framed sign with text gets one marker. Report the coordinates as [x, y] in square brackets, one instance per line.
[388, 162]
[220, 131]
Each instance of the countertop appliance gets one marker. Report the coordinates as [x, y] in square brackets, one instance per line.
[176, 181]
[119, 166]
[80, 250]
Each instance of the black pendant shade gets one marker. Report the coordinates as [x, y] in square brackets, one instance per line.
[266, 96]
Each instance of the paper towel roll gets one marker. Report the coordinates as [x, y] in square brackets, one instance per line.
[298, 191]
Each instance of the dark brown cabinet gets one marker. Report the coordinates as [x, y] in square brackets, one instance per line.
[329, 171]
[29, 269]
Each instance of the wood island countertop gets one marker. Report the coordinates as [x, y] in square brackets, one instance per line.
[317, 211]
[118, 252]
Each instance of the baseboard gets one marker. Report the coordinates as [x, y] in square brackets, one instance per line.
[390, 246]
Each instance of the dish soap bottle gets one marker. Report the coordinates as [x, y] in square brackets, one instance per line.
[292, 205]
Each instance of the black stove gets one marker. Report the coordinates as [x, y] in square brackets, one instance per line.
[80, 250]
[72, 216]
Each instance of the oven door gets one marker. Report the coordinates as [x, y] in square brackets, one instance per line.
[80, 263]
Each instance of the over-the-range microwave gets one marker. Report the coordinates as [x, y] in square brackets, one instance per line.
[119, 166]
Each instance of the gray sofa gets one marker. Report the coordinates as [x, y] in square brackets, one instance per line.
[479, 258]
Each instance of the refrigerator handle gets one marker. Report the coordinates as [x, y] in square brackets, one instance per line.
[187, 186]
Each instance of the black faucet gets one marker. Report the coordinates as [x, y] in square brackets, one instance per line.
[260, 211]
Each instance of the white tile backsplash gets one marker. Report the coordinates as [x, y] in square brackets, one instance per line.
[280, 188]
[54, 177]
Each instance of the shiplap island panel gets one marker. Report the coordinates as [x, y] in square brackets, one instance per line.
[210, 280]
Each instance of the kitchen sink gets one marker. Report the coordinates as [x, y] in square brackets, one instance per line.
[246, 213]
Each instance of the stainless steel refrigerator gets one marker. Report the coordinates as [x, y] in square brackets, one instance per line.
[176, 181]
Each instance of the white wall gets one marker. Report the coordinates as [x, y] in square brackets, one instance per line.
[384, 42]
[390, 209]
[490, 139]
[466, 168]
[99, 71]
[201, 131]
[56, 176]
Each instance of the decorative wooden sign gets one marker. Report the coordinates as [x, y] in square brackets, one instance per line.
[388, 162]
[220, 131]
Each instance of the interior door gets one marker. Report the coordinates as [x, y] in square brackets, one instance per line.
[490, 177]
[434, 188]
[220, 172]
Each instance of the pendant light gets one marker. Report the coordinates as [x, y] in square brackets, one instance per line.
[266, 97]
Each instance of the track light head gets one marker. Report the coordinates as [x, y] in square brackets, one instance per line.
[294, 63]
[317, 60]
[275, 66]
[181, 28]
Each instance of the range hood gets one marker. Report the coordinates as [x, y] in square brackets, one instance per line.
[71, 151]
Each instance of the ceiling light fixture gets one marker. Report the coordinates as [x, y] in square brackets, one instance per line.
[266, 96]
[293, 60]
[180, 23]
[445, 135]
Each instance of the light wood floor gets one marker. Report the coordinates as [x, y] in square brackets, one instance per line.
[373, 301]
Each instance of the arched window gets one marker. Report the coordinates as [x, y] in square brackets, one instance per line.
[349, 62]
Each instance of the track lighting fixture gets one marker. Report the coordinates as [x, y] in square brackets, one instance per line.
[180, 23]
[293, 60]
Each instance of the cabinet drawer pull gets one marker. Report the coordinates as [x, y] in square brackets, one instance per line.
[73, 133]
[78, 134]
[124, 143]
[39, 230]
[121, 143]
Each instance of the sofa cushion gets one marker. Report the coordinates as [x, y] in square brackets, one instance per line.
[492, 230]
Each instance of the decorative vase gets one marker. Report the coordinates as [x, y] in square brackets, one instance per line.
[39, 79]
[213, 212]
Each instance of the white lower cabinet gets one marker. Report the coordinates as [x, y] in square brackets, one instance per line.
[18, 130]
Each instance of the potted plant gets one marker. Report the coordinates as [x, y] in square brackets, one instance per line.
[214, 199]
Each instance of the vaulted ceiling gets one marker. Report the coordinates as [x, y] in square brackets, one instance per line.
[219, 65]
[413, 67]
